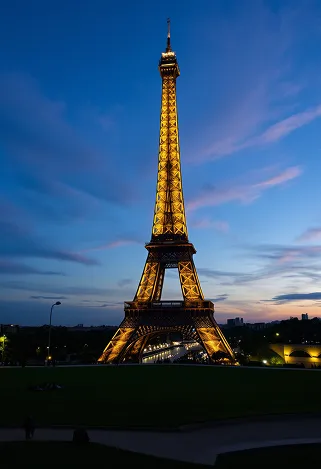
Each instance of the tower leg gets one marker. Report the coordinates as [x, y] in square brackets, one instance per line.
[151, 282]
[212, 338]
[134, 353]
[117, 345]
[191, 288]
[129, 342]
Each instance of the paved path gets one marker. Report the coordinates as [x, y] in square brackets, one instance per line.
[200, 445]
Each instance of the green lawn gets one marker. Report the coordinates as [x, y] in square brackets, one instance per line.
[63, 454]
[167, 395]
[291, 456]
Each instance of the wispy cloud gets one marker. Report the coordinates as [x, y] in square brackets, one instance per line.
[43, 147]
[53, 298]
[118, 243]
[12, 268]
[216, 274]
[48, 199]
[205, 223]
[294, 270]
[291, 297]
[49, 288]
[105, 295]
[109, 304]
[113, 244]
[312, 234]
[284, 176]
[103, 304]
[220, 298]
[287, 254]
[124, 282]
[19, 242]
[265, 107]
[272, 134]
[243, 192]
[47, 138]
[286, 126]
[299, 264]
[261, 66]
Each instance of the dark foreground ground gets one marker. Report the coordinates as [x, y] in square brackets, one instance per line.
[294, 457]
[63, 455]
[153, 395]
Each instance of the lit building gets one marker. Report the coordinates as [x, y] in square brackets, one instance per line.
[308, 356]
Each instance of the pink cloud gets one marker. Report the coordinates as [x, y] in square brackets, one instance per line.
[244, 193]
[242, 120]
[263, 108]
[287, 175]
[256, 312]
[120, 242]
[240, 113]
[310, 235]
[236, 141]
[286, 126]
[218, 225]
[293, 254]
[113, 244]
[75, 257]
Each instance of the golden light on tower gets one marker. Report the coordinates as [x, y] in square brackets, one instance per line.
[169, 247]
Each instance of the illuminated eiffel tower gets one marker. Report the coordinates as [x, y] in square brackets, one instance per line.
[147, 316]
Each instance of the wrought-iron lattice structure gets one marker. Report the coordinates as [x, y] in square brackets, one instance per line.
[147, 316]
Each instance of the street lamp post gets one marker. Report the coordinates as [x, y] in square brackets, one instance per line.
[49, 338]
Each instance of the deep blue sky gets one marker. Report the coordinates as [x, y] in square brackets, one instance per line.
[79, 118]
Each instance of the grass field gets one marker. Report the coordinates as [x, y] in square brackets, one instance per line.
[167, 395]
[293, 456]
[63, 454]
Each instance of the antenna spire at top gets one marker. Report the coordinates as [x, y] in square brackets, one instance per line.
[168, 48]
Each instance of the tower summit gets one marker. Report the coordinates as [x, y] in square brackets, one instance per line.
[169, 213]
[168, 48]
[169, 247]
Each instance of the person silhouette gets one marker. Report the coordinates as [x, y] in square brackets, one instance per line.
[29, 427]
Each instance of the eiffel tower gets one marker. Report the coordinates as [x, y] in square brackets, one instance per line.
[147, 316]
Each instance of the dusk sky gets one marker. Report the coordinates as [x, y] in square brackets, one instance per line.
[79, 122]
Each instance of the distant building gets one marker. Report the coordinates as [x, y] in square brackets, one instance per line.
[236, 322]
[82, 328]
[305, 317]
[8, 329]
[78, 328]
[258, 326]
[30, 329]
